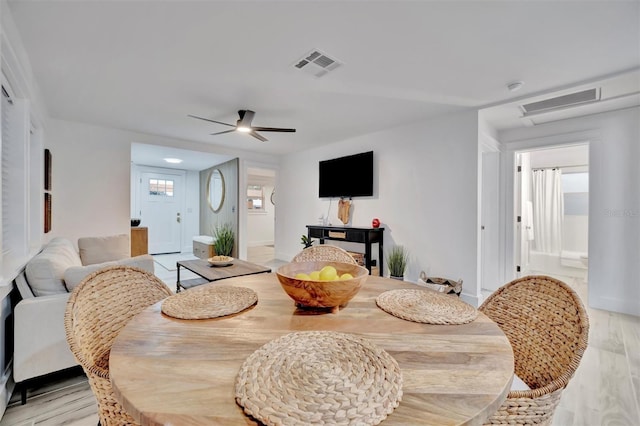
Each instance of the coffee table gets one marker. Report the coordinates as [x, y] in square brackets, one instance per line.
[211, 273]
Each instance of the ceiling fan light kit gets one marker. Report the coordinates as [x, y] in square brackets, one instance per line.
[243, 125]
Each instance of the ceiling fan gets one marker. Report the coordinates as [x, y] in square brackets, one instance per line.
[243, 125]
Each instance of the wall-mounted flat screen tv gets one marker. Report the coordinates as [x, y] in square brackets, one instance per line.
[350, 176]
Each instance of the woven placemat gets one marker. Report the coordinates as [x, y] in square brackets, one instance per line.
[209, 302]
[426, 306]
[319, 377]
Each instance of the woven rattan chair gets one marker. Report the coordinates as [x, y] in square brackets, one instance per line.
[547, 326]
[324, 253]
[98, 308]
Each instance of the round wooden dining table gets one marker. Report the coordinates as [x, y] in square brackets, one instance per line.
[168, 371]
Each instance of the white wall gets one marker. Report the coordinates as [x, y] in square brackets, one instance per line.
[575, 233]
[91, 176]
[614, 199]
[425, 195]
[260, 225]
[566, 156]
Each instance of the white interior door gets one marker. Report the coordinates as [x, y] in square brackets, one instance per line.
[522, 199]
[161, 202]
[490, 221]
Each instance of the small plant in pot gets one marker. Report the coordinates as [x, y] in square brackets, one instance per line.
[224, 237]
[397, 260]
[306, 241]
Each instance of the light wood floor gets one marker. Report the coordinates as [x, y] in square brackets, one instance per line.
[604, 392]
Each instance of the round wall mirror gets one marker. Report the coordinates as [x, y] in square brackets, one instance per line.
[215, 190]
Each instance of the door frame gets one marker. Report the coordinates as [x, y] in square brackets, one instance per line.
[487, 144]
[508, 187]
[245, 165]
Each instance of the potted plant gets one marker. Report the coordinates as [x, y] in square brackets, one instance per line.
[224, 237]
[306, 241]
[397, 260]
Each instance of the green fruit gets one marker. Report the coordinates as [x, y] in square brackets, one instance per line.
[346, 276]
[302, 276]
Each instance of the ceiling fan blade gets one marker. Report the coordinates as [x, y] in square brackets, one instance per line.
[272, 129]
[246, 116]
[257, 136]
[208, 119]
[222, 133]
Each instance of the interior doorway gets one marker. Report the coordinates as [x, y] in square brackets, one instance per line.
[552, 207]
[261, 208]
[174, 161]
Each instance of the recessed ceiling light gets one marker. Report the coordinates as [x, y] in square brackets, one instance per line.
[515, 85]
[173, 160]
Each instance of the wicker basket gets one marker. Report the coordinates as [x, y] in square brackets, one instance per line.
[441, 285]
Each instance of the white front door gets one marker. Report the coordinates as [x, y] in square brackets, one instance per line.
[161, 210]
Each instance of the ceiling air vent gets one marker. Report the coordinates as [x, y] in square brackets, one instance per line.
[560, 102]
[317, 63]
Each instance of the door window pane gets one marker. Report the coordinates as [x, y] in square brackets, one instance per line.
[161, 187]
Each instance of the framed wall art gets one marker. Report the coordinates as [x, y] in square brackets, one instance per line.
[47, 170]
[47, 212]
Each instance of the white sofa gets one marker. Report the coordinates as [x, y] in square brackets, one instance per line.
[40, 344]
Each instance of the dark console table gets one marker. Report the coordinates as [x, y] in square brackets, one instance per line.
[366, 236]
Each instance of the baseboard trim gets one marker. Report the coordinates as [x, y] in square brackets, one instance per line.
[260, 243]
[471, 299]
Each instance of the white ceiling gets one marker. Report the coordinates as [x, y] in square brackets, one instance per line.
[154, 156]
[145, 65]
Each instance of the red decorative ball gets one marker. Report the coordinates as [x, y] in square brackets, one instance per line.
[375, 223]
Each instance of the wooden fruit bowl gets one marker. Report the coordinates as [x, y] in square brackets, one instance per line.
[321, 294]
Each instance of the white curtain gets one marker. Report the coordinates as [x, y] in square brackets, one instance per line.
[548, 210]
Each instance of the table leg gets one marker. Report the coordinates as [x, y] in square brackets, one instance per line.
[367, 256]
[177, 278]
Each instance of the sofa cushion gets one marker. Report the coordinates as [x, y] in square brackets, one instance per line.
[74, 275]
[104, 249]
[45, 272]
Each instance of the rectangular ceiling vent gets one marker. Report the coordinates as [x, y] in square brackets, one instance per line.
[561, 102]
[317, 63]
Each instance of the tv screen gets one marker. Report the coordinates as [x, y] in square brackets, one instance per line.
[350, 176]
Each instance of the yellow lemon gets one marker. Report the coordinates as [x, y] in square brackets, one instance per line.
[346, 276]
[315, 275]
[302, 276]
[328, 273]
